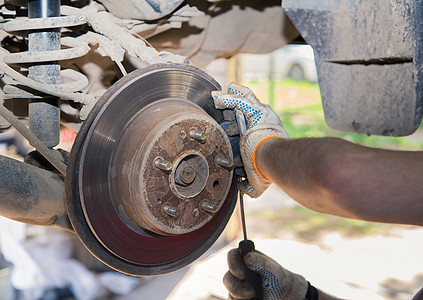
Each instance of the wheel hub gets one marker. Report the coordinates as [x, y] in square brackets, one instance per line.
[164, 175]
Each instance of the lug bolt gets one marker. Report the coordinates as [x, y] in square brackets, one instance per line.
[162, 164]
[224, 162]
[209, 207]
[170, 210]
[198, 135]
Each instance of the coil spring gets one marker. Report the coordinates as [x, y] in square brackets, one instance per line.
[77, 49]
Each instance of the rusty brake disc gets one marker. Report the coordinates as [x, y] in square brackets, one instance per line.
[150, 184]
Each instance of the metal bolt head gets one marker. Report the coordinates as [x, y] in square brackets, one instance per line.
[224, 162]
[187, 174]
[170, 210]
[209, 207]
[198, 135]
[162, 164]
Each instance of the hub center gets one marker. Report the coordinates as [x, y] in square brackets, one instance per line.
[187, 174]
[190, 175]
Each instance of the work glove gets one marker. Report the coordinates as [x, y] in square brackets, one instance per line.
[262, 123]
[277, 282]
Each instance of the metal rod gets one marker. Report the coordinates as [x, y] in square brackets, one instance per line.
[49, 154]
[244, 225]
[44, 115]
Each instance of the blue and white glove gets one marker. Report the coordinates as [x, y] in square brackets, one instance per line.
[262, 123]
[278, 282]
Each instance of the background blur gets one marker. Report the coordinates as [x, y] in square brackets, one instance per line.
[350, 259]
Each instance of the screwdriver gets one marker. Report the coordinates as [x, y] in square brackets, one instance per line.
[245, 247]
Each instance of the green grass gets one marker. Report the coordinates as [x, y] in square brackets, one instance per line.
[299, 84]
[308, 121]
[289, 82]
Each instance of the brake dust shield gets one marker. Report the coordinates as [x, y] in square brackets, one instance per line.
[150, 183]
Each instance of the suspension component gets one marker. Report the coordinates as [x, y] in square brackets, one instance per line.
[19, 86]
[44, 115]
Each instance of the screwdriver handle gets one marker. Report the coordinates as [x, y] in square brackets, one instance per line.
[254, 279]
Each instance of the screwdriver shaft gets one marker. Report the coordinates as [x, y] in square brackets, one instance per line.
[244, 226]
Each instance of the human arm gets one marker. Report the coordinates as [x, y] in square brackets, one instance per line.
[328, 175]
[333, 176]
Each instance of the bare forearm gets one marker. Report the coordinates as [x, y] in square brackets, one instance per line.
[334, 176]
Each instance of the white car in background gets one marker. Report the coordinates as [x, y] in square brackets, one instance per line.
[292, 61]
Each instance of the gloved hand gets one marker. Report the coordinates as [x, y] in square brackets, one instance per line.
[262, 123]
[277, 282]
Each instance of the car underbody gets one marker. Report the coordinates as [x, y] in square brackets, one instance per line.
[151, 180]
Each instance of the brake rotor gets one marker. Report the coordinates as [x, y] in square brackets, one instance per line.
[150, 183]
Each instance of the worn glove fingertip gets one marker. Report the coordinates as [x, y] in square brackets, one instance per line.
[220, 102]
[250, 259]
[217, 93]
[240, 90]
[239, 289]
[226, 101]
[236, 264]
[257, 261]
[246, 188]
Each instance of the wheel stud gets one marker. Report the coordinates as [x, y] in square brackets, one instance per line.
[162, 164]
[170, 210]
[208, 207]
[198, 135]
[224, 162]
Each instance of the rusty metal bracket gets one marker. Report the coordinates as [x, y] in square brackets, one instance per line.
[32, 195]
